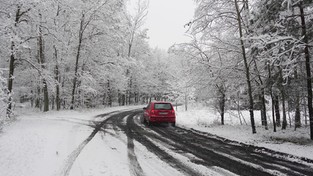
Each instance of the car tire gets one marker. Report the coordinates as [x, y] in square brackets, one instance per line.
[149, 123]
[173, 124]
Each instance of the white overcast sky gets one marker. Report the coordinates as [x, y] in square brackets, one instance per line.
[165, 21]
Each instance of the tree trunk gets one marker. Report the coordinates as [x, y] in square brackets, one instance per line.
[308, 67]
[38, 101]
[238, 107]
[129, 91]
[297, 117]
[305, 114]
[53, 102]
[42, 62]
[109, 94]
[277, 112]
[11, 66]
[272, 97]
[45, 96]
[297, 104]
[284, 123]
[273, 112]
[263, 111]
[123, 99]
[222, 107]
[10, 80]
[119, 98]
[221, 101]
[81, 94]
[282, 91]
[136, 95]
[57, 80]
[80, 39]
[129, 49]
[32, 98]
[262, 98]
[247, 71]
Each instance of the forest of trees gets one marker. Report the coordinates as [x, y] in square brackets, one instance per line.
[67, 54]
[253, 55]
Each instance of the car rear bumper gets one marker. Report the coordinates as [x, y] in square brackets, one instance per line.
[162, 119]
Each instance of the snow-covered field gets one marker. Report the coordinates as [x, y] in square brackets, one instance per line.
[39, 143]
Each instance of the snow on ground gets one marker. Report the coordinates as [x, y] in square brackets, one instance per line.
[110, 159]
[38, 143]
[289, 141]
[31, 145]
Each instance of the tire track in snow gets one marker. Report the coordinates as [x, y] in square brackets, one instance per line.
[240, 159]
[135, 167]
[72, 157]
[141, 135]
[118, 123]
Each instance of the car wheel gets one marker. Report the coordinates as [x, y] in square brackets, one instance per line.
[173, 124]
[149, 123]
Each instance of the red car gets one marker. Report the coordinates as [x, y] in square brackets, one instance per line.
[159, 112]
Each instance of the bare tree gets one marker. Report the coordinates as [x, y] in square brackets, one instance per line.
[307, 64]
[136, 21]
[19, 15]
[245, 59]
[42, 63]
[86, 19]
[82, 27]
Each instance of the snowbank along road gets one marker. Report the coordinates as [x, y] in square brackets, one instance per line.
[166, 150]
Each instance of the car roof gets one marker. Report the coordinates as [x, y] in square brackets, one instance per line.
[160, 102]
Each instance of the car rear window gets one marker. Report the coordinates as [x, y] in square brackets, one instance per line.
[164, 106]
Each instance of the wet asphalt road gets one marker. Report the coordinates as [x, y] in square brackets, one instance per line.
[200, 148]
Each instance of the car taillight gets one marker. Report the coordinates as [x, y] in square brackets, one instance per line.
[173, 112]
[152, 111]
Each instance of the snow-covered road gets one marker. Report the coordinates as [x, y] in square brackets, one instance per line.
[116, 143]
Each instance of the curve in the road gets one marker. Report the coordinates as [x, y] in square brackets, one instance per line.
[206, 150]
